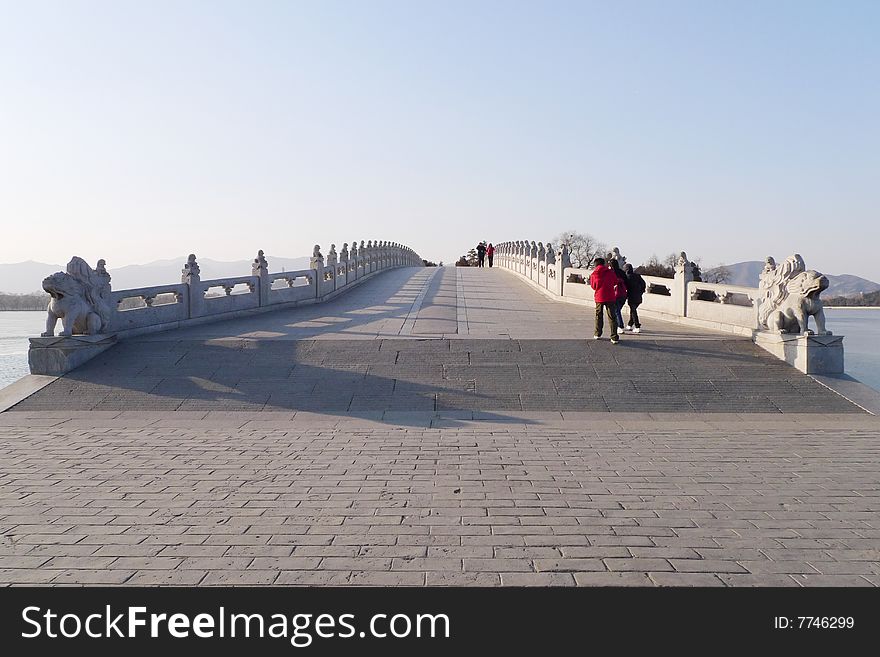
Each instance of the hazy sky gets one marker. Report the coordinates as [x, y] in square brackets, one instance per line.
[134, 131]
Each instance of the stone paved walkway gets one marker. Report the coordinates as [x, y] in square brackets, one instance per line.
[438, 427]
[228, 499]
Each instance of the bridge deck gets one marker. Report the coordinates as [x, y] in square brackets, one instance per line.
[439, 340]
[391, 437]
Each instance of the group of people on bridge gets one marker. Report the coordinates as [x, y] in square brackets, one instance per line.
[484, 252]
[615, 287]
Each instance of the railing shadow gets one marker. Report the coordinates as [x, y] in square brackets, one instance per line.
[314, 376]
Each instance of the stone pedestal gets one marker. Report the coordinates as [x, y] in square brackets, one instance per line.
[811, 354]
[58, 355]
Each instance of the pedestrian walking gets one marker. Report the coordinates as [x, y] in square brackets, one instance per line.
[635, 290]
[481, 253]
[604, 282]
[490, 252]
[614, 266]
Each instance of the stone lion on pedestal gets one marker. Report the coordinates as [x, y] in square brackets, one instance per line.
[791, 297]
[80, 299]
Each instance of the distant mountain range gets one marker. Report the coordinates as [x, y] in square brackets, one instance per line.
[26, 277]
[844, 285]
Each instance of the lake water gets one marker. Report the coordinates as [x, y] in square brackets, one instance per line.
[15, 329]
[861, 328]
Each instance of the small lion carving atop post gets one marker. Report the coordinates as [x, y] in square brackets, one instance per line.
[80, 299]
[790, 296]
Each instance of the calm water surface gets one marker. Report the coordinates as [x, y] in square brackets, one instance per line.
[15, 329]
[861, 328]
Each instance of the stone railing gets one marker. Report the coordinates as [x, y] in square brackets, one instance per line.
[93, 316]
[681, 299]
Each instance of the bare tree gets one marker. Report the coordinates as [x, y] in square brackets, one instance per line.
[583, 247]
[655, 267]
[719, 274]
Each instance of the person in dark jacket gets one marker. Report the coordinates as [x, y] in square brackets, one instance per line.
[604, 282]
[635, 290]
[614, 266]
[481, 253]
[490, 253]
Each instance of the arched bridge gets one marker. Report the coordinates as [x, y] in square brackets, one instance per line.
[404, 425]
[432, 339]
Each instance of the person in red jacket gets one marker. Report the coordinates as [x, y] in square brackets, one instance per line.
[604, 282]
[490, 253]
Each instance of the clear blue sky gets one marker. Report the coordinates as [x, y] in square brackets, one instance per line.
[134, 131]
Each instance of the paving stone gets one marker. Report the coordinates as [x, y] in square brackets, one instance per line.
[441, 578]
[239, 578]
[685, 579]
[166, 578]
[537, 579]
[613, 579]
[706, 566]
[638, 565]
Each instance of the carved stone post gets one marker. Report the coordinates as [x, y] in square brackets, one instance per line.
[563, 261]
[317, 264]
[330, 265]
[684, 274]
[342, 269]
[533, 261]
[354, 258]
[550, 259]
[540, 264]
[191, 275]
[260, 268]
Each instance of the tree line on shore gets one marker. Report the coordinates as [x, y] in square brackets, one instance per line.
[863, 299]
[33, 301]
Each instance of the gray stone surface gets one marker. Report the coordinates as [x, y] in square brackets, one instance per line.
[338, 445]
[54, 356]
[150, 499]
[22, 389]
[812, 354]
[340, 376]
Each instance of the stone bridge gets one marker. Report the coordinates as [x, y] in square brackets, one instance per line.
[437, 426]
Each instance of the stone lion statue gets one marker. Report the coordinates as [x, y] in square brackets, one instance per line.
[801, 301]
[773, 284]
[80, 299]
